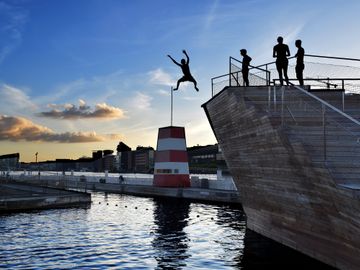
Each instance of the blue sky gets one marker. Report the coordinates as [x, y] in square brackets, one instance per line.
[81, 75]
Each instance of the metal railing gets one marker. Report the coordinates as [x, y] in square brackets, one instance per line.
[257, 77]
[332, 75]
[330, 136]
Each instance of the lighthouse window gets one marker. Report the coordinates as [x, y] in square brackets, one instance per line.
[163, 171]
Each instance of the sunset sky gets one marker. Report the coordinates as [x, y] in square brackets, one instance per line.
[77, 76]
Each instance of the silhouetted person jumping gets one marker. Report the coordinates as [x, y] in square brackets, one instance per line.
[186, 71]
[245, 66]
[299, 68]
[281, 52]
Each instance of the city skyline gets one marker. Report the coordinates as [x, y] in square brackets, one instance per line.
[76, 77]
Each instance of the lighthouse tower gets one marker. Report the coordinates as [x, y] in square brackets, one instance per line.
[171, 160]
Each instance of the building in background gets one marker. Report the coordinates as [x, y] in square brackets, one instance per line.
[97, 160]
[202, 159]
[9, 162]
[108, 161]
[124, 158]
[144, 159]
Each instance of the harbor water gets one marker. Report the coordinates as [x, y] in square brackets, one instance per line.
[126, 232]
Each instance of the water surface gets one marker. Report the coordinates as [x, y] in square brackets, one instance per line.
[126, 232]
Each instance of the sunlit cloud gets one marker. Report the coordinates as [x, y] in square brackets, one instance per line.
[14, 128]
[72, 112]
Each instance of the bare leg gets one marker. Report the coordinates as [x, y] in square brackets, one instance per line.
[279, 69]
[285, 74]
[195, 84]
[177, 85]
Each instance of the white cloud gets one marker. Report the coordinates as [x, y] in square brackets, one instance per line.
[13, 100]
[190, 98]
[293, 33]
[160, 77]
[210, 17]
[141, 101]
[94, 89]
[12, 21]
[163, 92]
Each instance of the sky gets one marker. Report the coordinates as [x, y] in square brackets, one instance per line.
[77, 76]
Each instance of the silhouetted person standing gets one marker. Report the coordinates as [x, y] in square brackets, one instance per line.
[245, 66]
[281, 52]
[186, 71]
[299, 68]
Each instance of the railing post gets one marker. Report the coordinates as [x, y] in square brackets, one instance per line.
[274, 97]
[269, 97]
[267, 75]
[237, 78]
[282, 106]
[343, 94]
[212, 87]
[230, 71]
[324, 129]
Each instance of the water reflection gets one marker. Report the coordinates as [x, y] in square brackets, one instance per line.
[126, 232]
[264, 253]
[170, 240]
[234, 219]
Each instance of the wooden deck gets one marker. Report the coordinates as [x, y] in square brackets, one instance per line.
[289, 190]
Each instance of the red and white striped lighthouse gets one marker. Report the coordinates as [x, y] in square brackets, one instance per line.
[171, 160]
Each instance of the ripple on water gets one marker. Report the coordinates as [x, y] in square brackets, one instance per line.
[138, 233]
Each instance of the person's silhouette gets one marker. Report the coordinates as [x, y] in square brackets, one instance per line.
[186, 71]
[299, 68]
[281, 52]
[245, 66]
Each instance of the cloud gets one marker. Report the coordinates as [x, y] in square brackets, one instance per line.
[71, 111]
[163, 92]
[190, 98]
[14, 99]
[141, 101]
[210, 17]
[158, 76]
[12, 21]
[95, 88]
[294, 32]
[21, 129]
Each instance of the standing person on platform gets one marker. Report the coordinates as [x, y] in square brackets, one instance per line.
[281, 52]
[186, 71]
[245, 66]
[299, 68]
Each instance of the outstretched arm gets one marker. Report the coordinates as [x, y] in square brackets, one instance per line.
[287, 51]
[187, 57]
[176, 63]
